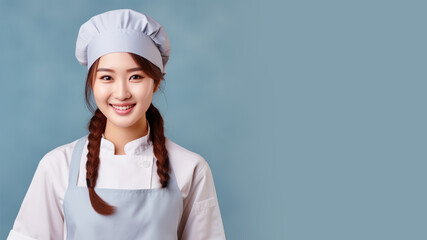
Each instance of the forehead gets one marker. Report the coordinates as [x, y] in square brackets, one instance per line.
[117, 60]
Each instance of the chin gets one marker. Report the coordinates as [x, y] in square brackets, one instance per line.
[123, 124]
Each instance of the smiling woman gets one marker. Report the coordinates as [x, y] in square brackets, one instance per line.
[125, 179]
[123, 102]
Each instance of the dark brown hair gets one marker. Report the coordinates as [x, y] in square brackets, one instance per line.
[97, 127]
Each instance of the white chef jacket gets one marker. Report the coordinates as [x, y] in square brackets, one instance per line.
[41, 215]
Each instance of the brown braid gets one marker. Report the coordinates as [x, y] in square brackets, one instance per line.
[159, 147]
[97, 127]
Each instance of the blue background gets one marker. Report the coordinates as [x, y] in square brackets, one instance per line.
[311, 114]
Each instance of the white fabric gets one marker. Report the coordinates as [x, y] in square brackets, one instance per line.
[41, 215]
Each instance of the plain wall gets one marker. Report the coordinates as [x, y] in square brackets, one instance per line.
[311, 114]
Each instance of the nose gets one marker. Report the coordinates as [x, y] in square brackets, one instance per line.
[121, 90]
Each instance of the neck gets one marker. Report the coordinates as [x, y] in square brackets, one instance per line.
[120, 136]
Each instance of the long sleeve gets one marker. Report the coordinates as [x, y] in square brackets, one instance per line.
[40, 215]
[204, 218]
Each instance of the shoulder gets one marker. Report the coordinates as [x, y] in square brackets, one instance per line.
[181, 156]
[54, 168]
[57, 160]
[186, 165]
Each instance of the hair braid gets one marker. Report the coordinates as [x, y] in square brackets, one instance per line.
[96, 129]
[159, 147]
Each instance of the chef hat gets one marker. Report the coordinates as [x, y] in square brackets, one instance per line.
[122, 30]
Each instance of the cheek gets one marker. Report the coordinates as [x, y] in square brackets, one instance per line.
[144, 96]
[100, 93]
[145, 93]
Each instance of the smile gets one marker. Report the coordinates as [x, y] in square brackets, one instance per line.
[122, 110]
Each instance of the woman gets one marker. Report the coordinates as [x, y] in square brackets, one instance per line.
[125, 179]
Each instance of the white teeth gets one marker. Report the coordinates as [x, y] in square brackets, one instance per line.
[122, 108]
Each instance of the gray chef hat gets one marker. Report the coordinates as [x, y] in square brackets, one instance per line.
[122, 30]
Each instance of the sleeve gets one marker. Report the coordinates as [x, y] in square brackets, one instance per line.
[40, 215]
[204, 218]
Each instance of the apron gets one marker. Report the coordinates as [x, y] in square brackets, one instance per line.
[141, 214]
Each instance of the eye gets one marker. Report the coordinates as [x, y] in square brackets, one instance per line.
[106, 77]
[136, 77]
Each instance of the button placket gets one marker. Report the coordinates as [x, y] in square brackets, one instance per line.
[146, 164]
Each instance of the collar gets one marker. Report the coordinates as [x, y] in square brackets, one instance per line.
[134, 147]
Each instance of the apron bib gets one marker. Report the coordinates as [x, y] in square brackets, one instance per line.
[141, 214]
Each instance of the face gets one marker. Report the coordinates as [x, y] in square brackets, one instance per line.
[120, 81]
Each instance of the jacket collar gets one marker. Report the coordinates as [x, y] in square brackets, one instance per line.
[134, 147]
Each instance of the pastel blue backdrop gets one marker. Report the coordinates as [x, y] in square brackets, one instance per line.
[311, 114]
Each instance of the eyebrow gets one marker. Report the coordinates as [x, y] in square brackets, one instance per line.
[111, 70]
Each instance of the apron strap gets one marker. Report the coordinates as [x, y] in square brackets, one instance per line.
[75, 161]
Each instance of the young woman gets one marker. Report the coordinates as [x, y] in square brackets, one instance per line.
[124, 180]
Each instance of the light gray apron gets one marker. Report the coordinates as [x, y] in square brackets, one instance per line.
[140, 213]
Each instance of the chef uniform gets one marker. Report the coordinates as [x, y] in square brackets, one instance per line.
[57, 204]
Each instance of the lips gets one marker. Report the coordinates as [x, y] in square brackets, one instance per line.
[122, 109]
[122, 104]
